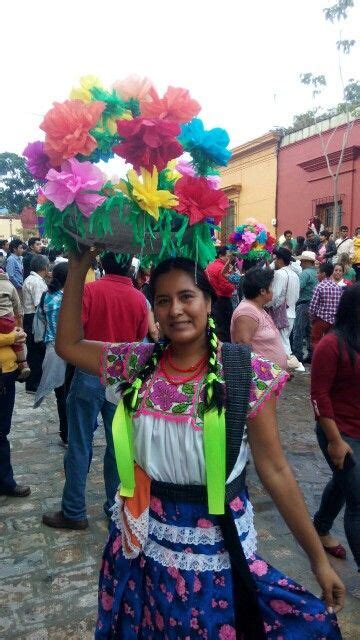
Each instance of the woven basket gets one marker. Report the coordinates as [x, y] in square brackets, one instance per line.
[121, 240]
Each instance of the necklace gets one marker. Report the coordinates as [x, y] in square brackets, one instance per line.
[193, 367]
[176, 380]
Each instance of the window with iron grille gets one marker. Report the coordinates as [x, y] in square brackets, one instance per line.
[228, 222]
[326, 211]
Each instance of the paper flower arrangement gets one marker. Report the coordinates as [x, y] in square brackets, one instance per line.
[252, 241]
[165, 206]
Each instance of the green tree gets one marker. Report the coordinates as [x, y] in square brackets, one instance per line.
[17, 186]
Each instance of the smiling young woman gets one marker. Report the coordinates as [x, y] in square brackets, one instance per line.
[174, 564]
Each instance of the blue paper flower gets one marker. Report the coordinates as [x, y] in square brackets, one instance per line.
[211, 143]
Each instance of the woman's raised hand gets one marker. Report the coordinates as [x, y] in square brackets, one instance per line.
[82, 260]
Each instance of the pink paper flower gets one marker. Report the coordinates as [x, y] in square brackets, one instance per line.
[76, 182]
[133, 87]
[186, 169]
[176, 105]
[37, 162]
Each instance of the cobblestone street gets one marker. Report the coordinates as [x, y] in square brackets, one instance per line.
[48, 578]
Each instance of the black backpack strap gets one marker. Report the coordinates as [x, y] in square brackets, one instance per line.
[237, 373]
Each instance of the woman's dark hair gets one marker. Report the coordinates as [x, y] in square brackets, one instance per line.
[116, 264]
[256, 279]
[326, 234]
[347, 322]
[214, 394]
[58, 277]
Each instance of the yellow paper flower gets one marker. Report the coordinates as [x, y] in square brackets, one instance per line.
[171, 172]
[146, 193]
[83, 92]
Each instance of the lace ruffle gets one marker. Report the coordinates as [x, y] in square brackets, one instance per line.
[245, 525]
[186, 561]
[184, 535]
[137, 526]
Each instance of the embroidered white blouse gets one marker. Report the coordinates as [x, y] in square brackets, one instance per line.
[168, 425]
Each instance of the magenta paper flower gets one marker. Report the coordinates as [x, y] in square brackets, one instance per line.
[186, 169]
[37, 162]
[77, 182]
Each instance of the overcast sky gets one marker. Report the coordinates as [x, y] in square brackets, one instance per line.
[240, 60]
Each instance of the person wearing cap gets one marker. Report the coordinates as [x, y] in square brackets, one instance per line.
[286, 288]
[308, 282]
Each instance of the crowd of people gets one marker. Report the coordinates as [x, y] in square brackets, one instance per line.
[68, 325]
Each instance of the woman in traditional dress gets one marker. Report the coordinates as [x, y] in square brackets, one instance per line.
[181, 558]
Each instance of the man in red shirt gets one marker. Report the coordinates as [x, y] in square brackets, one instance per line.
[223, 308]
[113, 311]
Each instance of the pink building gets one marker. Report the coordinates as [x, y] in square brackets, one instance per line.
[304, 184]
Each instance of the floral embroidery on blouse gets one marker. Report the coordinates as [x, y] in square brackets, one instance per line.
[160, 398]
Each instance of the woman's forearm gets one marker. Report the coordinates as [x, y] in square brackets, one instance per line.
[278, 479]
[289, 500]
[330, 429]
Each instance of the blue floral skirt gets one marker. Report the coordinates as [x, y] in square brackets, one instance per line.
[180, 586]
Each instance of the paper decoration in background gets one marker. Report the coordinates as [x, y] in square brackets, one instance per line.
[252, 241]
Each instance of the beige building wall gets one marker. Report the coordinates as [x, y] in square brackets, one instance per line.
[250, 179]
[10, 226]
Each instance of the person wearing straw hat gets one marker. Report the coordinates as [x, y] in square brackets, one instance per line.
[308, 282]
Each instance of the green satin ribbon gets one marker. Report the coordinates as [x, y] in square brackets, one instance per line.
[122, 432]
[214, 448]
[215, 459]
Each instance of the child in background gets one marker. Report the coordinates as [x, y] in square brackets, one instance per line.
[11, 317]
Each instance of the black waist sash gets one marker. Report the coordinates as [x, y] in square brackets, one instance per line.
[237, 372]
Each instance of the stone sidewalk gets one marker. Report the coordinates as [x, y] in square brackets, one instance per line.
[48, 578]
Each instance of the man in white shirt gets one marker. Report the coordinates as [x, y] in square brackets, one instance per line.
[344, 244]
[286, 289]
[33, 288]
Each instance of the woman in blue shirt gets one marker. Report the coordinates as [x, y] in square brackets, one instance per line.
[54, 368]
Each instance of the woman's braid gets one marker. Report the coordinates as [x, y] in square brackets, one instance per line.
[214, 392]
[130, 390]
